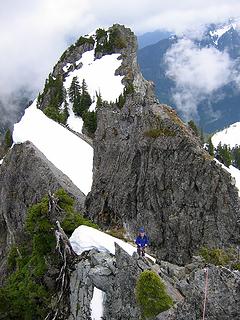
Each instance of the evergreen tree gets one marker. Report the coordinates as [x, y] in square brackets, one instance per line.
[236, 156]
[39, 99]
[74, 90]
[8, 141]
[121, 101]
[64, 114]
[224, 154]
[82, 101]
[210, 147]
[77, 107]
[55, 90]
[90, 121]
[194, 127]
[59, 92]
[86, 100]
[99, 102]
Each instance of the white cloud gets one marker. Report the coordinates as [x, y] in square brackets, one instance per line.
[33, 33]
[197, 73]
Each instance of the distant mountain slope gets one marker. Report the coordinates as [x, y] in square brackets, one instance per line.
[217, 107]
[149, 38]
[12, 108]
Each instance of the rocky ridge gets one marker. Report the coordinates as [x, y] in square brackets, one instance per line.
[157, 175]
[124, 43]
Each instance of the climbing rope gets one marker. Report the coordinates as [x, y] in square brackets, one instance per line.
[205, 293]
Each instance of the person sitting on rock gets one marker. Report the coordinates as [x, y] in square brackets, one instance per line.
[141, 242]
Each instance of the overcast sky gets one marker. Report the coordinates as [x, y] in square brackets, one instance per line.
[33, 33]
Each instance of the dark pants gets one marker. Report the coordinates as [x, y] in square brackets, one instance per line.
[141, 251]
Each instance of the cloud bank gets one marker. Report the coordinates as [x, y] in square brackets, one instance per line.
[198, 73]
[34, 33]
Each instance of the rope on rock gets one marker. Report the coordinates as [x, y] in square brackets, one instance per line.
[205, 293]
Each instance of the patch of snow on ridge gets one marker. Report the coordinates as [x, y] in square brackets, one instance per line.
[69, 153]
[235, 173]
[99, 75]
[220, 32]
[96, 304]
[229, 136]
[85, 238]
[66, 67]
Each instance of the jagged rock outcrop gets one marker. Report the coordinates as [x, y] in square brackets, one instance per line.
[150, 169]
[26, 176]
[221, 285]
[223, 296]
[116, 276]
[125, 44]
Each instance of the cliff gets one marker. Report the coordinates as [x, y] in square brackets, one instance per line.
[150, 169]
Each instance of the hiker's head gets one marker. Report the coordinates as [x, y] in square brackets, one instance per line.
[141, 231]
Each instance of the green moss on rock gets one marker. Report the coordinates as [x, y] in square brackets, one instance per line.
[158, 132]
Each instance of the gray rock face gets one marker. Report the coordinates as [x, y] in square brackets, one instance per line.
[149, 169]
[223, 296]
[116, 276]
[25, 177]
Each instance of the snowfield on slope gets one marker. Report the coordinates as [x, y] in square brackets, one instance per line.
[218, 33]
[86, 238]
[235, 173]
[65, 150]
[229, 136]
[100, 77]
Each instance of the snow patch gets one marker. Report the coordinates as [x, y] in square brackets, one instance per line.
[96, 304]
[220, 32]
[99, 75]
[66, 67]
[1, 161]
[74, 122]
[86, 238]
[229, 136]
[65, 150]
[235, 173]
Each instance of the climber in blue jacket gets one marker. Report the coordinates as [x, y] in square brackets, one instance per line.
[141, 242]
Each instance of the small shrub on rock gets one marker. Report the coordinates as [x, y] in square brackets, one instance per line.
[151, 295]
